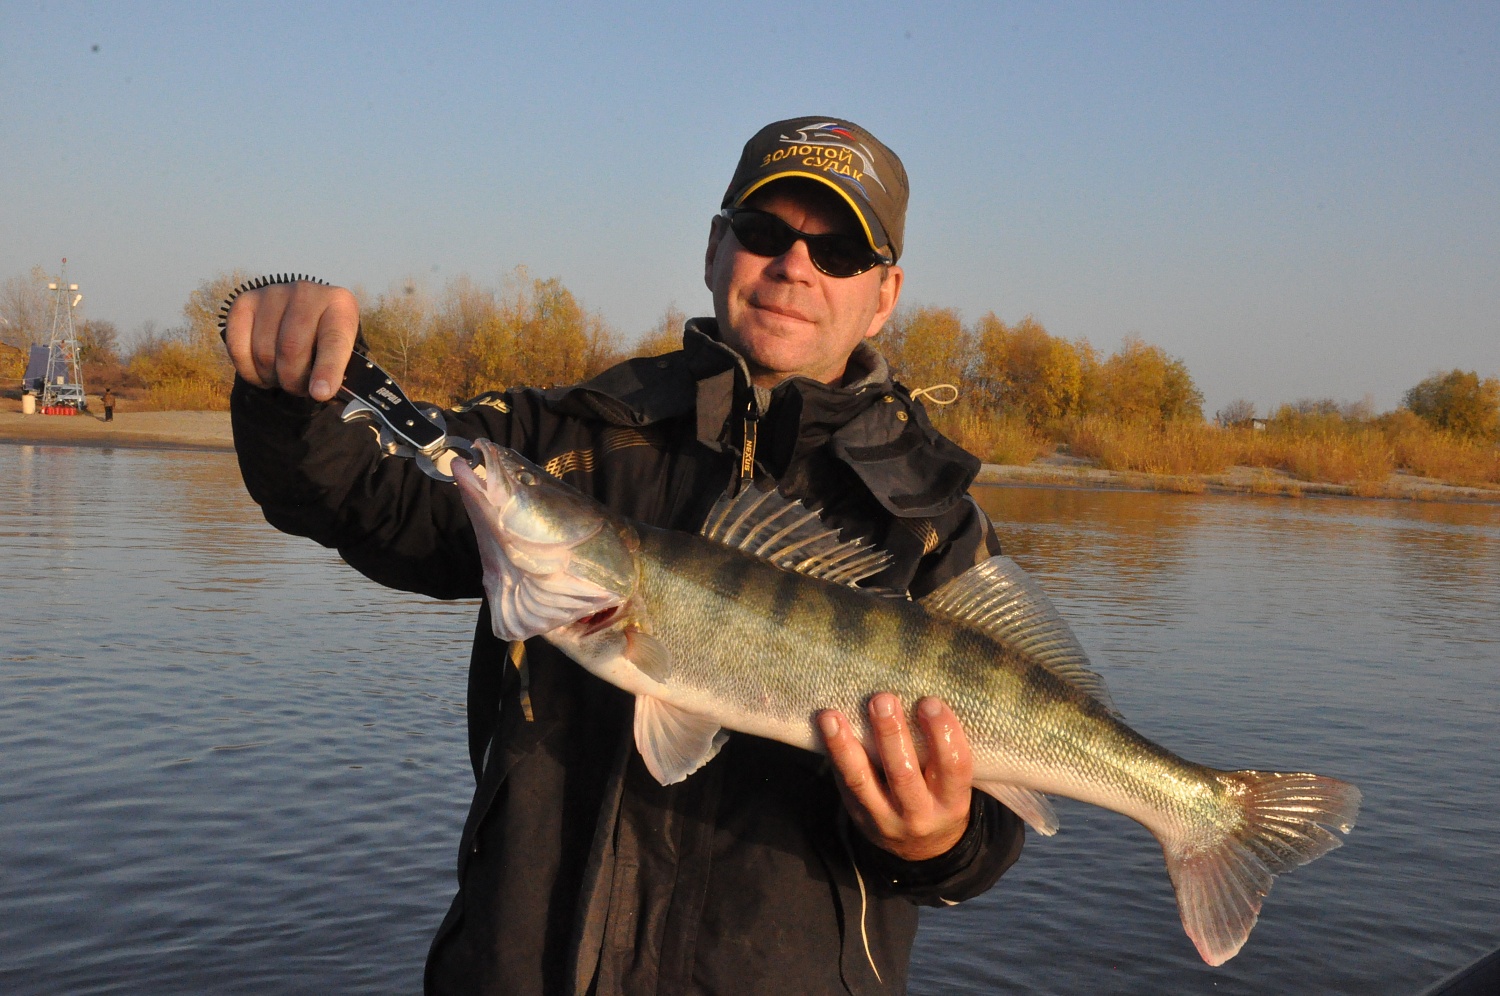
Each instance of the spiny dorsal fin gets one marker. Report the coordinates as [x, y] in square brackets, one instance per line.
[790, 535]
[1003, 602]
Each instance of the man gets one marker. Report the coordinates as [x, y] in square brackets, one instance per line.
[769, 869]
[109, 404]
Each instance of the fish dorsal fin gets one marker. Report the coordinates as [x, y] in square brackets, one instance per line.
[787, 533]
[1006, 604]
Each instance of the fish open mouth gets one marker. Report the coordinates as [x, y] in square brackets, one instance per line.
[591, 624]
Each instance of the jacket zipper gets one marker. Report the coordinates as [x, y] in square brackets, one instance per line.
[747, 448]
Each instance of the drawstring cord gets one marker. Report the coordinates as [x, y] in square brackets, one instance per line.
[930, 393]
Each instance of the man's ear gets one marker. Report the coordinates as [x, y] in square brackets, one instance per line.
[890, 293]
[716, 230]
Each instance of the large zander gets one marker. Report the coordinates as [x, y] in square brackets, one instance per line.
[756, 626]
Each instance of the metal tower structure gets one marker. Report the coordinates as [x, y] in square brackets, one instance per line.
[64, 381]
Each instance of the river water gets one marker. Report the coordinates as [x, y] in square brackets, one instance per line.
[233, 765]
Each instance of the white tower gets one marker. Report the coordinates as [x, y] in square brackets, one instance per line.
[64, 381]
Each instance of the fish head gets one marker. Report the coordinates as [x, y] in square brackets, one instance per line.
[552, 556]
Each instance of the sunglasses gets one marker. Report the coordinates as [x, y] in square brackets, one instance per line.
[764, 234]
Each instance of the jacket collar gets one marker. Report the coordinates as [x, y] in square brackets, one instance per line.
[869, 422]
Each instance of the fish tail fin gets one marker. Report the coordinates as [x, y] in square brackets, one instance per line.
[1282, 821]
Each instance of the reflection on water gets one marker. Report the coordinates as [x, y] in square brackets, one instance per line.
[231, 763]
[234, 765]
[1358, 639]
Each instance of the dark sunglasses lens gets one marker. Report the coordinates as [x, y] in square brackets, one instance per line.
[762, 234]
[840, 255]
[767, 235]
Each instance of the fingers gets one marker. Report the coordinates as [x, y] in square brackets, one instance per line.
[898, 755]
[295, 336]
[949, 773]
[914, 810]
[337, 326]
[859, 783]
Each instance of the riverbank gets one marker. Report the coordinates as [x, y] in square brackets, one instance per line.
[148, 430]
[210, 431]
[1065, 471]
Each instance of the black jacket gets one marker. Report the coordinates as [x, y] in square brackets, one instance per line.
[577, 871]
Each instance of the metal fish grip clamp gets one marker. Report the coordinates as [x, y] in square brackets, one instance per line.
[404, 428]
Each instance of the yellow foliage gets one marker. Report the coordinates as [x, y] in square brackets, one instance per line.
[1357, 457]
[179, 395]
[1009, 440]
[1143, 382]
[665, 336]
[926, 346]
[1021, 368]
[1150, 446]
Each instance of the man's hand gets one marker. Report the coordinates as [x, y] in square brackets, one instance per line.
[914, 812]
[297, 337]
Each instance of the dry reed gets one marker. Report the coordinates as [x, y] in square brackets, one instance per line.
[1005, 440]
[178, 394]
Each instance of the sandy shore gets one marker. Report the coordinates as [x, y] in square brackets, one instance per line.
[154, 430]
[210, 431]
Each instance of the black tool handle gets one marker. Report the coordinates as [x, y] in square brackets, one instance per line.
[363, 379]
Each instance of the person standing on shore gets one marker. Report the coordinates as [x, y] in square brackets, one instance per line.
[771, 869]
[109, 404]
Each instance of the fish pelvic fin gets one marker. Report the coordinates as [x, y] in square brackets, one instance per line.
[648, 654]
[1284, 823]
[1026, 803]
[1003, 602]
[674, 743]
[785, 532]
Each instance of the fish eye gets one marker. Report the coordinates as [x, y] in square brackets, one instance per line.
[526, 477]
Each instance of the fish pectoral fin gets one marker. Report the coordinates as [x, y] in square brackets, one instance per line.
[674, 743]
[1026, 803]
[650, 656]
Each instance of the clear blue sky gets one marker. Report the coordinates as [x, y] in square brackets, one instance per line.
[1296, 199]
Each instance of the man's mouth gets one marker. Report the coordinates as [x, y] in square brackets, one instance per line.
[780, 310]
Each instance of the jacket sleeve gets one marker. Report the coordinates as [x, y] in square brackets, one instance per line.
[990, 845]
[314, 475]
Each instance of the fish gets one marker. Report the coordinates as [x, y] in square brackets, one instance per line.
[759, 622]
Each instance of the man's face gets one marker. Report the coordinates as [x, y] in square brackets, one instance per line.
[784, 315]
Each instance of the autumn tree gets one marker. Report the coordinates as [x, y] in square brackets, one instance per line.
[1238, 412]
[186, 367]
[395, 327]
[926, 346]
[1460, 402]
[1141, 382]
[559, 342]
[26, 309]
[99, 352]
[665, 336]
[1024, 370]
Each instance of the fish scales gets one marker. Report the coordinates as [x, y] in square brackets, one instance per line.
[832, 648]
[708, 638]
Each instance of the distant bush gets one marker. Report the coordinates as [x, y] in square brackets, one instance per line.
[1150, 446]
[1458, 402]
[179, 395]
[1006, 440]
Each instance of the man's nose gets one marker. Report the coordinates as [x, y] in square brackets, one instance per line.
[795, 264]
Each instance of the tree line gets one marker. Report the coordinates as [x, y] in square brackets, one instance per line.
[1012, 380]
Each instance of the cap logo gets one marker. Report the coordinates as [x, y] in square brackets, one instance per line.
[830, 148]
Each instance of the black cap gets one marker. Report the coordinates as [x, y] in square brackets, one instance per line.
[838, 153]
